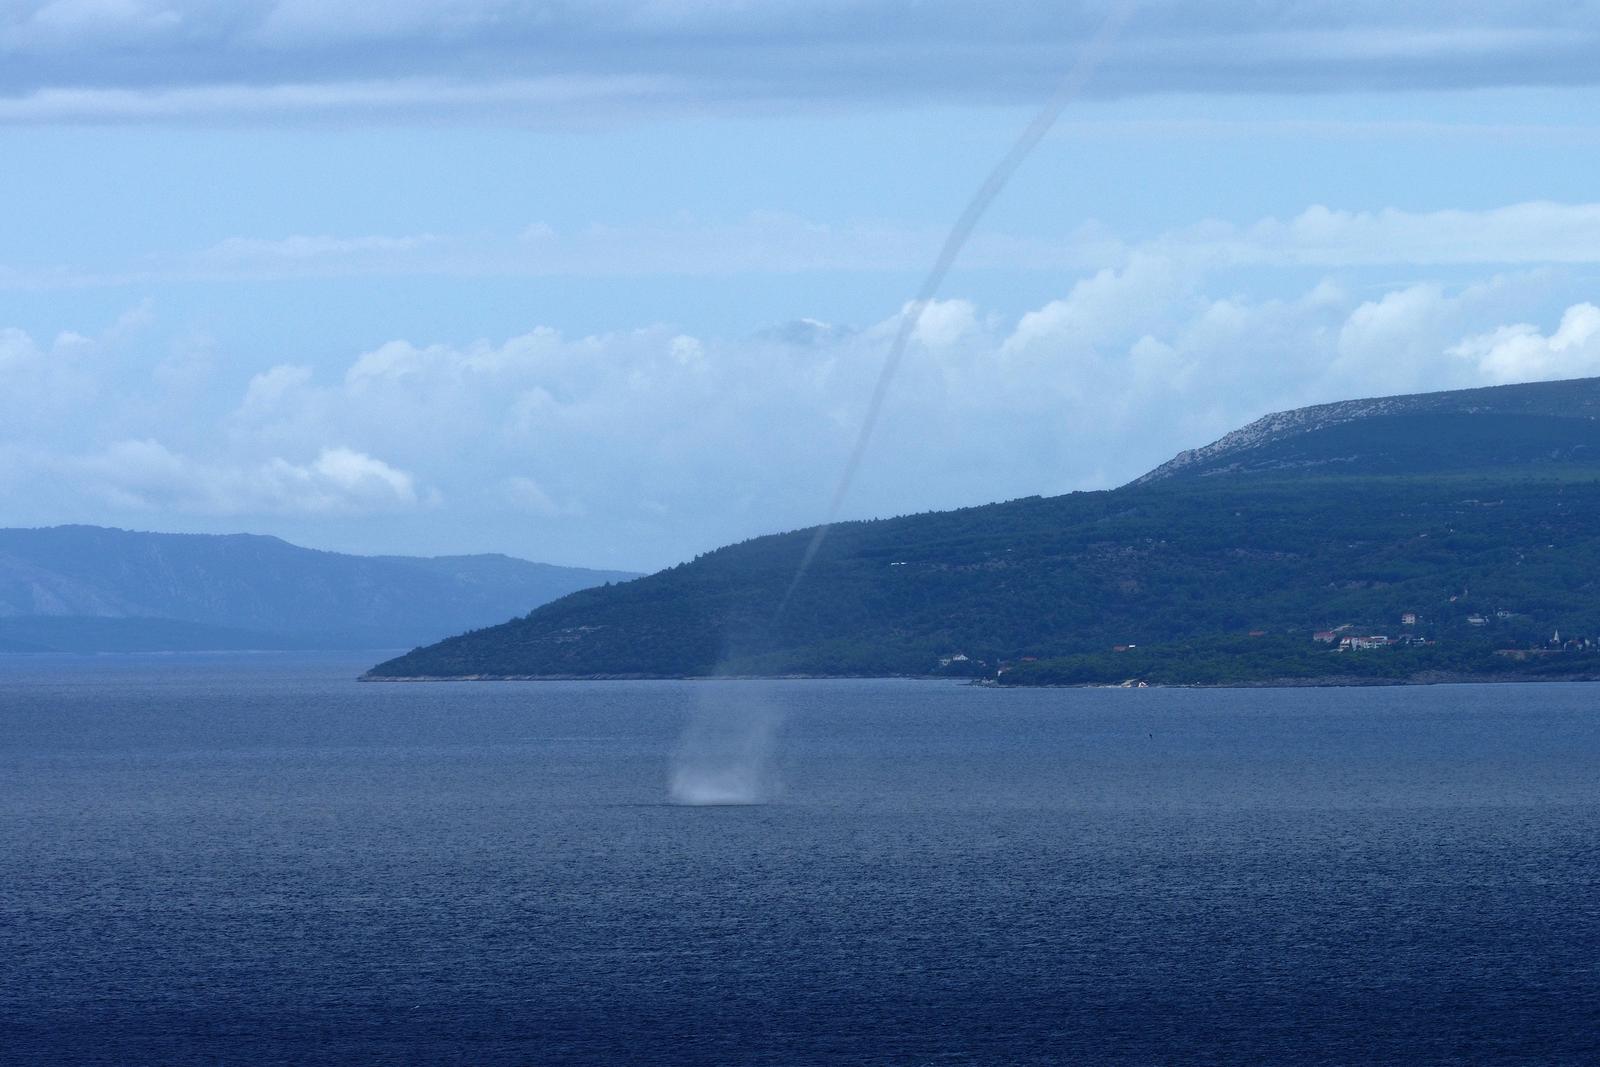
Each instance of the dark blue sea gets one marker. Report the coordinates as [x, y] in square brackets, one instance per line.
[259, 860]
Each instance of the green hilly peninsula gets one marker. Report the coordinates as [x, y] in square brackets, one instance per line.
[1412, 538]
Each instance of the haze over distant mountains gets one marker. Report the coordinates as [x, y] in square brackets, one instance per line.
[88, 588]
[1477, 512]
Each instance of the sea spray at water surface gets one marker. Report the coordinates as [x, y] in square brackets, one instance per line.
[725, 755]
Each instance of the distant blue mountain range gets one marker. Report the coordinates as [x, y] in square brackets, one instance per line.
[92, 589]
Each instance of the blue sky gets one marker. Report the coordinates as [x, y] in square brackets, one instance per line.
[609, 283]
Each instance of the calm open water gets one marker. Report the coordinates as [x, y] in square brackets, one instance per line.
[256, 860]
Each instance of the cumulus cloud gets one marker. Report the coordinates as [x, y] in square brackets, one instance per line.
[1521, 353]
[43, 383]
[643, 446]
[653, 429]
[155, 60]
[267, 389]
[145, 475]
[945, 322]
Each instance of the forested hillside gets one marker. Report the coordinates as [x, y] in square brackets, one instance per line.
[1481, 523]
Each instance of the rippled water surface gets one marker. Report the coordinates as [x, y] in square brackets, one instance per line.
[259, 860]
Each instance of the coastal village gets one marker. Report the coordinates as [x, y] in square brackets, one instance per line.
[1348, 638]
[1412, 631]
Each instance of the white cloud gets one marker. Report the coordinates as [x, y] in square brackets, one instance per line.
[1150, 289]
[742, 436]
[145, 475]
[43, 383]
[945, 322]
[269, 387]
[1521, 353]
[647, 445]
[1392, 344]
[361, 479]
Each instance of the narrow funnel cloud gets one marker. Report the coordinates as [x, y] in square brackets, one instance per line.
[1071, 87]
[725, 756]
